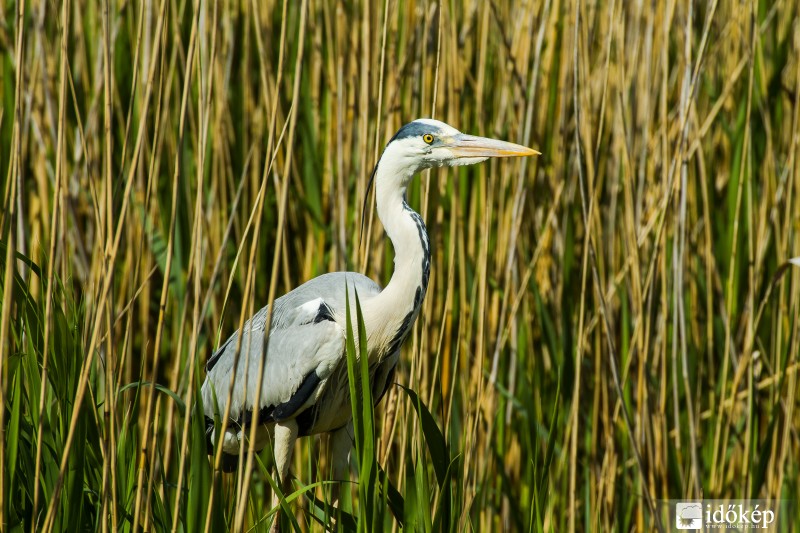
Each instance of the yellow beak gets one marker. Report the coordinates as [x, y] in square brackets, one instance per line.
[471, 146]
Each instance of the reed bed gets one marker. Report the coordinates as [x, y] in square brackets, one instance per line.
[608, 326]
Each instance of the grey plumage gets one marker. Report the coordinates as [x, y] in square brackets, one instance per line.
[306, 339]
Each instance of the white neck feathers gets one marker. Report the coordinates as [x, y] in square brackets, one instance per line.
[391, 313]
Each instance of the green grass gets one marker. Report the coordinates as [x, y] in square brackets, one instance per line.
[609, 324]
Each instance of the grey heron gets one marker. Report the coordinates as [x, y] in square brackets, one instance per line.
[304, 390]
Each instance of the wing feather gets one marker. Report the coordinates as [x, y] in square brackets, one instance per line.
[305, 344]
[293, 354]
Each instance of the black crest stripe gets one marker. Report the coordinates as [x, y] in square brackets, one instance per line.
[414, 129]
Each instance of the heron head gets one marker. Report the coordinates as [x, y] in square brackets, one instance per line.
[426, 143]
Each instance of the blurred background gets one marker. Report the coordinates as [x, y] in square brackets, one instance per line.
[608, 325]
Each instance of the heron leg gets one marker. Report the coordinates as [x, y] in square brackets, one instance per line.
[285, 437]
[341, 444]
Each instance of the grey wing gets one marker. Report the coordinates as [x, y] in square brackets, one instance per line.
[305, 344]
[298, 358]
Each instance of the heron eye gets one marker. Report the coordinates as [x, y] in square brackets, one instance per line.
[428, 138]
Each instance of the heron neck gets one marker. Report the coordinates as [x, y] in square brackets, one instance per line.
[403, 296]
